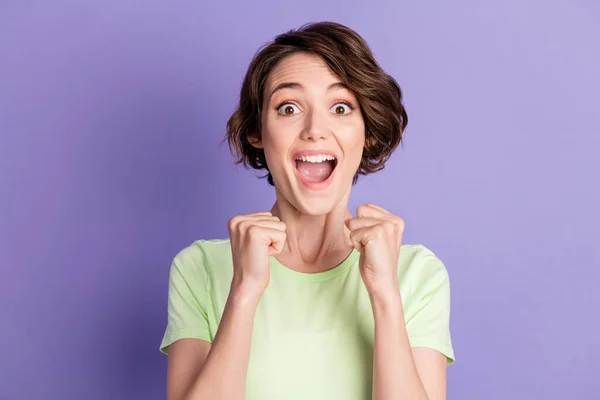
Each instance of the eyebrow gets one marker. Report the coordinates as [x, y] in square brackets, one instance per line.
[295, 85]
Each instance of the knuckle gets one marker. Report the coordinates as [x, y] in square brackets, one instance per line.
[253, 230]
[243, 224]
[233, 221]
[401, 224]
[389, 226]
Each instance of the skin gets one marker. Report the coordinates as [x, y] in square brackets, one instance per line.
[316, 235]
[309, 231]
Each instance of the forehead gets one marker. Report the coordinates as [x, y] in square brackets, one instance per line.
[301, 67]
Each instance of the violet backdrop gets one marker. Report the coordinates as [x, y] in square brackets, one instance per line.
[111, 117]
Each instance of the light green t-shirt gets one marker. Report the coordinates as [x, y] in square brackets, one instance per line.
[313, 333]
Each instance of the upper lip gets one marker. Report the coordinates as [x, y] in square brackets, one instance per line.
[308, 152]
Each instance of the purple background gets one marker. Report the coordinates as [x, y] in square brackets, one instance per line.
[111, 114]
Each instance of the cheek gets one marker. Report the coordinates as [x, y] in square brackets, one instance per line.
[354, 140]
[276, 144]
[355, 144]
[275, 138]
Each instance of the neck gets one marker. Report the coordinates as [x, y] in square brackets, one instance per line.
[314, 243]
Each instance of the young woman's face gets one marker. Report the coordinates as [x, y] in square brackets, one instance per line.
[313, 133]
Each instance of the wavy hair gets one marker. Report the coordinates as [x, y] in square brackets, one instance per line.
[349, 57]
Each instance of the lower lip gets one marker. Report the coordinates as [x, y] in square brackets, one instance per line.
[315, 185]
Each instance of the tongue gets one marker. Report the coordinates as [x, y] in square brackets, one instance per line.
[315, 172]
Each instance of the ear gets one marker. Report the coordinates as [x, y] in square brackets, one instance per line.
[255, 141]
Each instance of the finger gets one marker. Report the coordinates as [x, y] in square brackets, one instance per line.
[272, 223]
[278, 239]
[356, 223]
[375, 206]
[241, 219]
[269, 236]
[261, 216]
[372, 210]
[369, 211]
[259, 213]
[361, 237]
[263, 223]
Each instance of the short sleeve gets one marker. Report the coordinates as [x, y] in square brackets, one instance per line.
[428, 321]
[187, 298]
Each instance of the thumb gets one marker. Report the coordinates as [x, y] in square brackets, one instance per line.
[277, 243]
[347, 232]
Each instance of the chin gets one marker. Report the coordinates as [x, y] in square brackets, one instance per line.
[318, 202]
[316, 206]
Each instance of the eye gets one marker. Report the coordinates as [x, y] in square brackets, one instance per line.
[341, 108]
[288, 109]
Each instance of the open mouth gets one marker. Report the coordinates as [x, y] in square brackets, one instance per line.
[316, 168]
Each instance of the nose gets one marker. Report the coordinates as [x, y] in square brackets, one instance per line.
[315, 126]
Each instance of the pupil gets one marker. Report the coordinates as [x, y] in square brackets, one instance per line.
[340, 110]
[289, 110]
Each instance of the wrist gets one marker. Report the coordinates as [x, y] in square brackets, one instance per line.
[386, 301]
[385, 289]
[245, 292]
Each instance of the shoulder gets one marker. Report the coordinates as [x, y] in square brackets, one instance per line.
[419, 268]
[199, 259]
[203, 248]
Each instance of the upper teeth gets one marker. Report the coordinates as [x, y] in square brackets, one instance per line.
[316, 158]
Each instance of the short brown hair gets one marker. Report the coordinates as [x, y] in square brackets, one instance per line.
[349, 57]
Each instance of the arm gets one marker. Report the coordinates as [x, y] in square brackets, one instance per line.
[398, 371]
[197, 369]
[185, 359]
[222, 374]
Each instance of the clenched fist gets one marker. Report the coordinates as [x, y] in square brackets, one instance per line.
[377, 234]
[254, 238]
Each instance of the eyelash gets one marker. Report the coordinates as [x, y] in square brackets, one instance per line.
[350, 106]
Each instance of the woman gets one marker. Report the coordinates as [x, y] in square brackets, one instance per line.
[311, 302]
